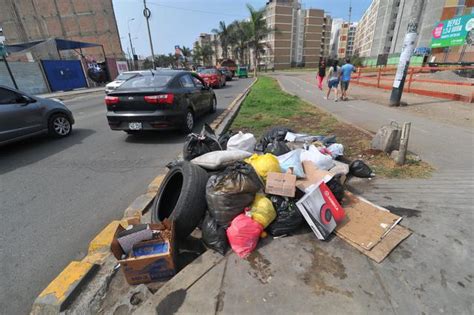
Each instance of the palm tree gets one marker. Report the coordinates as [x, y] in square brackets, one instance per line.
[223, 34]
[186, 54]
[239, 38]
[258, 30]
[207, 54]
[197, 53]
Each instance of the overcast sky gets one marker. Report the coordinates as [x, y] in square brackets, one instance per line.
[179, 22]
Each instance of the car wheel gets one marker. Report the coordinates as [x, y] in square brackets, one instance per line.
[213, 108]
[182, 197]
[188, 122]
[59, 126]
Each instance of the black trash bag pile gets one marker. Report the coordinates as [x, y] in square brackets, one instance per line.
[230, 191]
[336, 187]
[213, 235]
[359, 169]
[288, 219]
[277, 147]
[224, 138]
[197, 145]
[277, 133]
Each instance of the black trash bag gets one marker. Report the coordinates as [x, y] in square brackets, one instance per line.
[213, 235]
[230, 191]
[359, 169]
[277, 133]
[336, 187]
[224, 138]
[277, 148]
[288, 218]
[197, 145]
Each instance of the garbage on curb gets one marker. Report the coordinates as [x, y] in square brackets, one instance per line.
[214, 235]
[220, 159]
[277, 148]
[148, 260]
[288, 218]
[276, 133]
[292, 161]
[321, 210]
[322, 161]
[242, 141]
[281, 184]
[264, 164]
[196, 145]
[243, 234]
[359, 169]
[262, 210]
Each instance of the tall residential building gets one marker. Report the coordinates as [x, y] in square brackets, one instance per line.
[80, 20]
[302, 35]
[382, 29]
[345, 45]
[335, 32]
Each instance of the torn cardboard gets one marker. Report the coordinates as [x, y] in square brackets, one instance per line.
[313, 176]
[366, 224]
[281, 184]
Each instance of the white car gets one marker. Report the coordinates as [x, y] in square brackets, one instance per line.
[120, 79]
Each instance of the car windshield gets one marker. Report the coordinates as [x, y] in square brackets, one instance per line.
[242, 68]
[126, 76]
[209, 71]
[148, 81]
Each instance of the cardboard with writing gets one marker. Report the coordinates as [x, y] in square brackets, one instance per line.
[281, 184]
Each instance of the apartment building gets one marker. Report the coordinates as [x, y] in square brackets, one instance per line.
[365, 32]
[344, 42]
[302, 36]
[91, 21]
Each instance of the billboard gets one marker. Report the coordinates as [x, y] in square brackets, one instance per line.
[453, 32]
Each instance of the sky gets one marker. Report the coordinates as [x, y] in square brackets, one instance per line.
[179, 22]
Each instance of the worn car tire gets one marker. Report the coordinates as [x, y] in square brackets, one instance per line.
[187, 125]
[182, 197]
[213, 107]
[59, 125]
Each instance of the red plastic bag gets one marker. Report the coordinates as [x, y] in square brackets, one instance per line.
[243, 234]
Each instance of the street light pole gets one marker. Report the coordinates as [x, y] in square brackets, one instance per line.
[147, 14]
[131, 45]
[407, 51]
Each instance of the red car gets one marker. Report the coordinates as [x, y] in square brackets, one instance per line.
[212, 77]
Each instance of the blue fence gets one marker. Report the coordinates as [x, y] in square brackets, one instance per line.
[64, 75]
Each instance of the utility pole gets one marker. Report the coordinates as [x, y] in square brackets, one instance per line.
[147, 14]
[407, 51]
[131, 44]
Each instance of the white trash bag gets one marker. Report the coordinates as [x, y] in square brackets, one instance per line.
[242, 141]
[336, 150]
[219, 159]
[322, 161]
[292, 160]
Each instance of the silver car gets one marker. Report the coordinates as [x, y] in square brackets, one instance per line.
[23, 115]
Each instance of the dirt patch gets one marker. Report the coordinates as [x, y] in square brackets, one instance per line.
[260, 267]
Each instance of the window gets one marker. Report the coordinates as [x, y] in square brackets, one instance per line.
[8, 97]
[186, 81]
[198, 82]
[147, 81]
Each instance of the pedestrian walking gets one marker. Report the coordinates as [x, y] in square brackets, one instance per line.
[321, 73]
[333, 75]
[346, 72]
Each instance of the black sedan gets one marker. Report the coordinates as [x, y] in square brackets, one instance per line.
[159, 100]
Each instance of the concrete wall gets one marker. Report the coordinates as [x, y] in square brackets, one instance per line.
[28, 77]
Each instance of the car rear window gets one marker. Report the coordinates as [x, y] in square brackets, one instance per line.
[149, 81]
[126, 76]
[209, 71]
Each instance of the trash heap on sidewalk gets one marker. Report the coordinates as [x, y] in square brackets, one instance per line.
[237, 190]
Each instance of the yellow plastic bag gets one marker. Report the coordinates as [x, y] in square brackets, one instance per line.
[262, 210]
[264, 164]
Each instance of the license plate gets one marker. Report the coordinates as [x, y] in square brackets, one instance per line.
[135, 125]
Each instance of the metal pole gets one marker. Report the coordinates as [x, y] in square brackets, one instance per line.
[131, 44]
[147, 14]
[10, 72]
[407, 51]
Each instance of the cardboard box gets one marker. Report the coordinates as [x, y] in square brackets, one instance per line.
[313, 176]
[155, 260]
[281, 184]
[319, 207]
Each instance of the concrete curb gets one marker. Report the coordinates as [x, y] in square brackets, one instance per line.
[74, 93]
[60, 292]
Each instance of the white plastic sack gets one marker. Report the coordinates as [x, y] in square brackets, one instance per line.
[219, 159]
[292, 160]
[336, 150]
[242, 141]
[322, 161]
[339, 168]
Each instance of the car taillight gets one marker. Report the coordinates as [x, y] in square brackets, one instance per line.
[160, 99]
[111, 100]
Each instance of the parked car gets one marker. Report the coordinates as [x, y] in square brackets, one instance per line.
[242, 72]
[228, 74]
[157, 100]
[120, 79]
[23, 115]
[213, 77]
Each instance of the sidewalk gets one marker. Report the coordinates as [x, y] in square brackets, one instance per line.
[69, 94]
[428, 273]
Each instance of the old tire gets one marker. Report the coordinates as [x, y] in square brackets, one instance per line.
[182, 197]
[188, 122]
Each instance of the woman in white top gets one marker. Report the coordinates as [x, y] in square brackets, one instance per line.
[333, 76]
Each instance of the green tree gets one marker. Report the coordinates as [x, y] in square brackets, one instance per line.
[207, 52]
[223, 34]
[197, 54]
[258, 30]
[240, 35]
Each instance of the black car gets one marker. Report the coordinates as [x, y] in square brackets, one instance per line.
[159, 100]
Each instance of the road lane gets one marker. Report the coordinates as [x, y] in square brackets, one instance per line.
[55, 195]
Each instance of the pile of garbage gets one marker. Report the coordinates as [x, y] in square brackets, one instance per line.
[253, 187]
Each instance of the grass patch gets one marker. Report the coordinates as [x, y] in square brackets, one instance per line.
[268, 106]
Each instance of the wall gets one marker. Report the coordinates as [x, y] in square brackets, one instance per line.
[28, 77]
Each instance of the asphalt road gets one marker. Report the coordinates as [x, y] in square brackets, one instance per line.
[55, 195]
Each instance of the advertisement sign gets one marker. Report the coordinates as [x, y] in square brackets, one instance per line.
[454, 32]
